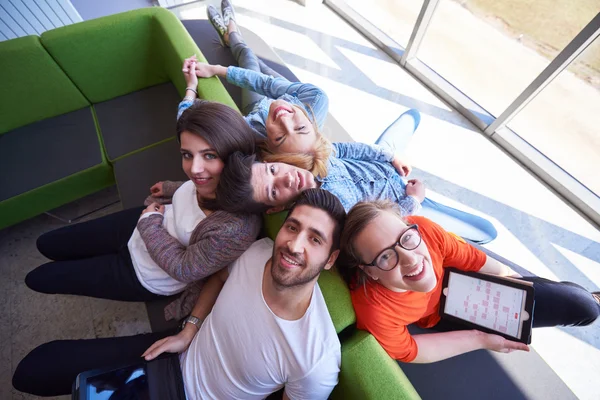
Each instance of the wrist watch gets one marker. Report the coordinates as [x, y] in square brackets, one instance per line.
[192, 320]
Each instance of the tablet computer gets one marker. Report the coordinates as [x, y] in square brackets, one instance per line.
[159, 379]
[499, 305]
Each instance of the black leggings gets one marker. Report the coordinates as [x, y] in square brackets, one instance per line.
[556, 304]
[51, 369]
[91, 259]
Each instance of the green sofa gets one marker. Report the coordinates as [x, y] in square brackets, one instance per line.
[367, 372]
[80, 98]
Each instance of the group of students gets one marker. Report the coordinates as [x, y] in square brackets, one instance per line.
[254, 318]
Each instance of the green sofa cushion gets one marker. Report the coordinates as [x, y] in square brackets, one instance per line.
[368, 372]
[55, 194]
[334, 289]
[118, 54]
[33, 85]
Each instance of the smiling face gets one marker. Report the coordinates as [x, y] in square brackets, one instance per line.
[200, 163]
[288, 129]
[303, 247]
[413, 270]
[278, 184]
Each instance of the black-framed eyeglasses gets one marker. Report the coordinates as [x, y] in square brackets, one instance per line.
[410, 239]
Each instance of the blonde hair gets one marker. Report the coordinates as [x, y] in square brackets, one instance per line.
[314, 161]
[359, 217]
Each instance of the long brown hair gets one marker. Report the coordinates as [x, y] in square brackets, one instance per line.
[359, 217]
[222, 127]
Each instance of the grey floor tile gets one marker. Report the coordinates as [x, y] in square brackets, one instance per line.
[22, 396]
[38, 318]
[118, 318]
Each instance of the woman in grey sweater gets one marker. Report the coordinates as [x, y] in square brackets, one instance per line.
[179, 239]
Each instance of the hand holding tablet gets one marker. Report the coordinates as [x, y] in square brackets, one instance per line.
[489, 303]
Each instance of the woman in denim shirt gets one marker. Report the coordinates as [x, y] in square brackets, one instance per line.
[286, 116]
[289, 117]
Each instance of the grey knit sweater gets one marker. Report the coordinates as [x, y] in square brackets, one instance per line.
[217, 241]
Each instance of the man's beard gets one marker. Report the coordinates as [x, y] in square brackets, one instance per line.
[302, 275]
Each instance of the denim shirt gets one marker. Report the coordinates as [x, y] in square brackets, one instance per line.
[360, 172]
[304, 95]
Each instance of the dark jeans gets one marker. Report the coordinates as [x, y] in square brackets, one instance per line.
[51, 369]
[556, 304]
[91, 259]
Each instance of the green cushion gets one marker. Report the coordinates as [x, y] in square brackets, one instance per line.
[118, 54]
[273, 223]
[55, 194]
[333, 287]
[33, 85]
[368, 372]
[337, 297]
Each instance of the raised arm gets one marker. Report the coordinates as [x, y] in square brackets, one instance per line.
[220, 242]
[191, 85]
[162, 192]
[434, 347]
[270, 86]
[204, 304]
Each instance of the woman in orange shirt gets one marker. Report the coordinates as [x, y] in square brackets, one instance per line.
[395, 266]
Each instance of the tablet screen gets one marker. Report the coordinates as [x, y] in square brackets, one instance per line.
[126, 383]
[484, 303]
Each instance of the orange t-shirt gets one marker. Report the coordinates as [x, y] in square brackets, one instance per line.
[386, 314]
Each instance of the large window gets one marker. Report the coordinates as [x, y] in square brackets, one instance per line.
[396, 18]
[491, 50]
[498, 54]
[563, 121]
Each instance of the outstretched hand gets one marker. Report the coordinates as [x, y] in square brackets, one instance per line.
[157, 190]
[204, 70]
[416, 188]
[502, 345]
[154, 207]
[402, 167]
[189, 68]
[171, 344]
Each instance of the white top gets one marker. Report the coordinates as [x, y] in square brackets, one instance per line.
[180, 219]
[244, 351]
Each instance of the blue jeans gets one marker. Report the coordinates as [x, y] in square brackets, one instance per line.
[479, 230]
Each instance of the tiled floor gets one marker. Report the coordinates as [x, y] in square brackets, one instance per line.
[29, 319]
[367, 92]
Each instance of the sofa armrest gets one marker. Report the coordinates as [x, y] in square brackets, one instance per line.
[175, 44]
[368, 372]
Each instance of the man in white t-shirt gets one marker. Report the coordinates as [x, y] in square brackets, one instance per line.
[269, 326]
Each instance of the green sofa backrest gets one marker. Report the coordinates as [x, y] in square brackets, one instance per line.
[368, 373]
[34, 87]
[119, 54]
[333, 287]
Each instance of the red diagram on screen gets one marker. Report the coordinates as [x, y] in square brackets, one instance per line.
[485, 303]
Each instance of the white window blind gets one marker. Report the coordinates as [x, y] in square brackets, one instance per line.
[32, 17]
